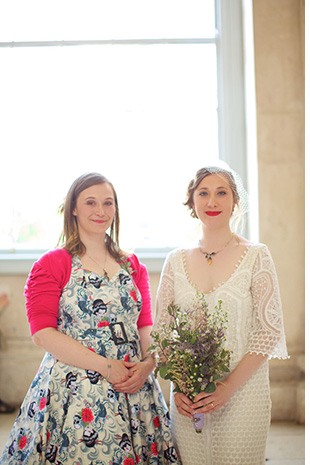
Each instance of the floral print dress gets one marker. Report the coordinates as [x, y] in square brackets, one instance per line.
[73, 416]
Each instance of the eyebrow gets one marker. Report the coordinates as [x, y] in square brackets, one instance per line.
[206, 188]
[91, 197]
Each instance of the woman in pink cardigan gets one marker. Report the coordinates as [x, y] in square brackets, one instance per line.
[94, 399]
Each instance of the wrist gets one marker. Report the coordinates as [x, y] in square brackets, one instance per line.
[148, 357]
[149, 360]
[108, 370]
[231, 384]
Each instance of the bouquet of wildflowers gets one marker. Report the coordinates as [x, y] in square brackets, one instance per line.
[190, 350]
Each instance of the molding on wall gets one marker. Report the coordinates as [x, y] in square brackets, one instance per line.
[20, 263]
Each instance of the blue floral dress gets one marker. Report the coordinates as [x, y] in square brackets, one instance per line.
[73, 416]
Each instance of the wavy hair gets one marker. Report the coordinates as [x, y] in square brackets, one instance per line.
[70, 239]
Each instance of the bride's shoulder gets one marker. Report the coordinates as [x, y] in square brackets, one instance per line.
[189, 251]
[253, 248]
[243, 241]
[175, 253]
[178, 255]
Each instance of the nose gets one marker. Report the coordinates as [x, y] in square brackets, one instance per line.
[212, 200]
[100, 210]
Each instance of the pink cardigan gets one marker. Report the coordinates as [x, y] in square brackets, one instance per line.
[51, 273]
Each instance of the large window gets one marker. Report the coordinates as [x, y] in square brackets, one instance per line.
[138, 91]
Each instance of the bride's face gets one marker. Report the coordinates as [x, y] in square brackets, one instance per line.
[213, 200]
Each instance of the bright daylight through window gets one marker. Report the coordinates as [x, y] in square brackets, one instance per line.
[128, 89]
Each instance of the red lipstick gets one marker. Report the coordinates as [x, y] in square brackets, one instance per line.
[213, 213]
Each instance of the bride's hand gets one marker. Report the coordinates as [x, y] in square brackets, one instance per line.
[183, 404]
[206, 403]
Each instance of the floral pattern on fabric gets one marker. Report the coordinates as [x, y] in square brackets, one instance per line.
[73, 416]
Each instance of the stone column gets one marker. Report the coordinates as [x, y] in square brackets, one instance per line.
[279, 38]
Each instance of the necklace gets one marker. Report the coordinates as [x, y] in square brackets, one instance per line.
[105, 273]
[208, 255]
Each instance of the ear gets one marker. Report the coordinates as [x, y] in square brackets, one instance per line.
[193, 212]
[74, 212]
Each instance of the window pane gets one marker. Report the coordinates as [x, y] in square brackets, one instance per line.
[144, 116]
[41, 20]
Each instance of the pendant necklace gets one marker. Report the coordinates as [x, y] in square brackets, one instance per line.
[105, 273]
[209, 256]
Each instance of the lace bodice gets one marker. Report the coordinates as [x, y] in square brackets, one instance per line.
[250, 296]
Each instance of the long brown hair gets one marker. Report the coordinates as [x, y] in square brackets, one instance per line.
[70, 239]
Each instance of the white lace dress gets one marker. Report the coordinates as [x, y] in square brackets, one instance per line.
[237, 432]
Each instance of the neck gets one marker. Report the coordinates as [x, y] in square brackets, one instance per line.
[95, 246]
[214, 239]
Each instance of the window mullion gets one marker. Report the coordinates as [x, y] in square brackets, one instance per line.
[64, 43]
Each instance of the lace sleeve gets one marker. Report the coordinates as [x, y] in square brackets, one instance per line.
[267, 336]
[165, 295]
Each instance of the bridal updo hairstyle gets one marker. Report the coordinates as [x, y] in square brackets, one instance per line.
[200, 175]
[234, 181]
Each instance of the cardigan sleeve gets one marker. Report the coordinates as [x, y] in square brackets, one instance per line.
[141, 278]
[44, 285]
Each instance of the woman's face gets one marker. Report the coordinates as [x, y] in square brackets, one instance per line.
[95, 209]
[213, 200]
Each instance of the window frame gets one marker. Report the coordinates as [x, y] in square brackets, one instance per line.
[229, 41]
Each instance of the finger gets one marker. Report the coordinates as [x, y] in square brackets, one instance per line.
[201, 396]
[202, 403]
[124, 390]
[183, 410]
[122, 385]
[130, 381]
[183, 399]
[129, 364]
[134, 377]
[132, 389]
[206, 408]
[184, 405]
[132, 371]
[211, 407]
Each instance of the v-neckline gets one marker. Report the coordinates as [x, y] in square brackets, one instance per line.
[116, 274]
[219, 285]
